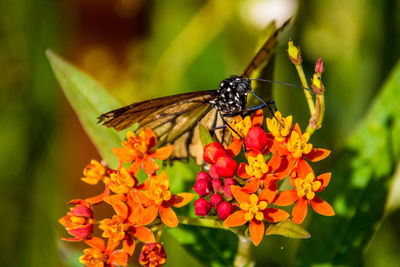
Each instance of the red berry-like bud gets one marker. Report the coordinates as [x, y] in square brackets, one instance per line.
[215, 200]
[257, 139]
[202, 187]
[225, 167]
[203, 175]
[152, 254]
[202, 207]
[230, 181]
[224, 209]
[213, 172]
[217, 185]
[212, 152]
[227, 191]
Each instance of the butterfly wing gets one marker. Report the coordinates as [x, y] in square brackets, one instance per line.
[174, 119]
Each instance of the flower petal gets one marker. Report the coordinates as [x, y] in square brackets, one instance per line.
[135, 166]
[317, 154]
[235, 219]
[303, 168]
[257, 119]
[284, 169]
[148, 215]
[268, 194]
[299, 211]
[256, 229]
[239, 195]
[119, 258]
[324, 178]
[168, 216]
[234, 148]
[322, 207]
[162, 153]
[123, 154]
[96, 242]
[241, 172]
[286, 198]
[252, 186]
[149, 165]
[275, 215]
[144, 234]
[180, 199]
[128, 245]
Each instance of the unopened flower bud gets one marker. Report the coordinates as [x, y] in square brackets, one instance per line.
[217, 185]
[294, 53]
[257, 139]
[213, 172]
[225, 167]
[153, 254]
[202, 187]
[317, 85]
[203, 175]
[202, 207]
[319, 67]
[224, 209]
[215, 200]
[230, 181]
[212, 152]
[227, 191]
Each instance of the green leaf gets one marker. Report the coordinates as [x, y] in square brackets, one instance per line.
[205, 135]
[89, 99]
[360, 182]
[288, 229]
[212, 246]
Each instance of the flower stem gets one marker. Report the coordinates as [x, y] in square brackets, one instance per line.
[211, 223]
[159, 232]
[304, 83]
[243, 257]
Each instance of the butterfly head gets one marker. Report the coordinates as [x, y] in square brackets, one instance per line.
[232, 95]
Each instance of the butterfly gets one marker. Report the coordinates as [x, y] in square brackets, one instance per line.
[175, 119]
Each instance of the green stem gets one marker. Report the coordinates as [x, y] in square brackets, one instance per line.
[211, 223]
[243, 256]
[304, 83]
[159, 232]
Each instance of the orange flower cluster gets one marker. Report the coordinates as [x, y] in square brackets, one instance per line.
[136, 206]
[252, 191]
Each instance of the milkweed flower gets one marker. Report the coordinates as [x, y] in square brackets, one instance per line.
[254, 209]
[139, 151]
[94, 172]
[153, 255]
[79, 220]
[304, 194]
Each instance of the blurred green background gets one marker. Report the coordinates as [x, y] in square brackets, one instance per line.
[140, 49]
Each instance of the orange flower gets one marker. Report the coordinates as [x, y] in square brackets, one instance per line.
[153, 255]
[306, 185]
[158, 199]
[261, 173]
[79, 221]
[255, 209]
[120, 182]
[138, 150]
[98, 255]
[94, 172]
[123, 226]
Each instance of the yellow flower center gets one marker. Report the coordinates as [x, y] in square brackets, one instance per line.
[159, 190]
[121, 182]
[93, 172]
[241, 126]
[279, 126]
[257, 166]
[93, 257]
[113, 228]
[307, 186]
[254, 208]
[136, 144]
[298, 144]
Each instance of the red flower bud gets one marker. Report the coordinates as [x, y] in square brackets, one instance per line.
[224, 209]
[212, 152]
[257, 139]
[217, 185]
[319, 66]
[213, 172]
[202, 187]
[215, 200]
[225, 167]
[230, 181]
[78, 222]
[203, 175]
[202, 207]
[227, 191]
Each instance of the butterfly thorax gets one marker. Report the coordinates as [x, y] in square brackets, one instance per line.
[232, 95]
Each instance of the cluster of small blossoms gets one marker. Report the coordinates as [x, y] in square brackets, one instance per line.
[139, 208]
[249, 191]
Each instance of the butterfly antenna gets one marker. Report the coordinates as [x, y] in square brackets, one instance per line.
[289, 84]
